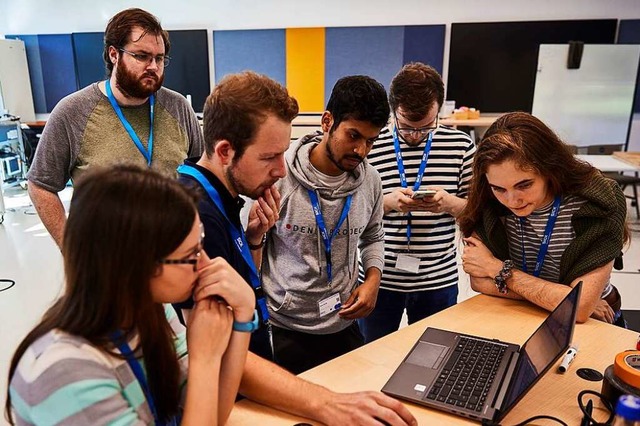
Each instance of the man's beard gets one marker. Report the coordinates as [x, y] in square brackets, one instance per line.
[234, 180]
[335, 161]
[131, 86]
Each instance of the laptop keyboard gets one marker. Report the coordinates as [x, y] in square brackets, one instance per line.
[467, 377]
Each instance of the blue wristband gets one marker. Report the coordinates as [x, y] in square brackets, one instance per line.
[248, 327]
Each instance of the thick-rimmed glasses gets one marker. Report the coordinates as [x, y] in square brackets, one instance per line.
[192, 259]
[145, 58]
[420, 133]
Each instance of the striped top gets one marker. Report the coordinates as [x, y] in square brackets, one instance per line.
[533, 231]
[432, 235]
[63, 379]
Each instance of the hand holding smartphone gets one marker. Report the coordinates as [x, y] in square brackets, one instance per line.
[421, 195]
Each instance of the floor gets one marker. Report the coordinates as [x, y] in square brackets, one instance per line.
[29, 256]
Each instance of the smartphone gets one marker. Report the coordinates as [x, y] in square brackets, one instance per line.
[419, 195]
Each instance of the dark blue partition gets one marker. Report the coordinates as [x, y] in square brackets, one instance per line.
[188, 71]
[424, 43]
[58, 67]
[87, 50]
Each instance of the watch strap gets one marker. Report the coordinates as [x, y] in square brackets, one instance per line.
[248, 327]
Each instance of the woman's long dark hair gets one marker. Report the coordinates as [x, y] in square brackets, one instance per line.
[122, 220]
[533, 146]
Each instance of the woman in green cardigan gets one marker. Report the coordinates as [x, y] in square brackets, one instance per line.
[537, 217]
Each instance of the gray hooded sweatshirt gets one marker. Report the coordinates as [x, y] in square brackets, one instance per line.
[294, 271]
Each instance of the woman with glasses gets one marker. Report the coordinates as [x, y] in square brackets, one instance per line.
[538, 217]
[111, 350]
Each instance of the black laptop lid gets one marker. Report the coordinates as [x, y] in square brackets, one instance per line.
[544, 347]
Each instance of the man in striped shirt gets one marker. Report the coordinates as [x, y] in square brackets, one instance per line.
[414, 153]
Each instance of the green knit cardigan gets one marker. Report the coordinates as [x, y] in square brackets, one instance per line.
[599, 227]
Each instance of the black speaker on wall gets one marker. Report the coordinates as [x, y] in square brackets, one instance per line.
[492, 65]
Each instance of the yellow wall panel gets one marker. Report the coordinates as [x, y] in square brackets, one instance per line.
[305, 55]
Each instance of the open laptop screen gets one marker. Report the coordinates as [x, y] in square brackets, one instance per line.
[549, 341]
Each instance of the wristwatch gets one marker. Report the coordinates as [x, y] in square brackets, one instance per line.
[248, 327]
[503, 276]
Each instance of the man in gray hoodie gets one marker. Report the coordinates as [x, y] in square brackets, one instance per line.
[331, 206]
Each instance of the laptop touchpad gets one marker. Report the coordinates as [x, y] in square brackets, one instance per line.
[427, 355]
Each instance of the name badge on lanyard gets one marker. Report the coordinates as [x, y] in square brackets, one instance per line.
[326, 238]
[239, 239]
[146, 153]
[406, 262]
[546, 238]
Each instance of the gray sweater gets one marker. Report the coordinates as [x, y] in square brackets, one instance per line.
[294, 273]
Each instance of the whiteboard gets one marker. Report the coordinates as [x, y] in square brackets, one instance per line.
[591, 105]
[15, 87]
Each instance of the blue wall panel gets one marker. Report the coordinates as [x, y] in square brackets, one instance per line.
[373, 51]
[262, 51]
[629, 33]
[87, 50]
[424, 43]
[188, 71]
[58, 65]
[35, 71]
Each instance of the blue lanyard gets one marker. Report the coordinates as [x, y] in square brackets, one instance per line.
[546, 238]
[403, 175]
[147, 154]
[237, 235]
[135, 366]
[328, 239]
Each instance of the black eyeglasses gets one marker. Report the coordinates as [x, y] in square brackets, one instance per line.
[185, 261]
[421, 132]
[145, 58]
[189, 260]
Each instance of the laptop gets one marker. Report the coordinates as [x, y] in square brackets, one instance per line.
[479, 378]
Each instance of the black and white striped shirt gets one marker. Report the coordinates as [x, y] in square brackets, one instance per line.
[532, 233]
[432, 235]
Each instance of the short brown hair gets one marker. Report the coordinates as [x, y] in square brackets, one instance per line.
[120, 26]
[415, 88]
[239, 104]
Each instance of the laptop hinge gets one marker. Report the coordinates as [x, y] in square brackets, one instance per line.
[505, 384]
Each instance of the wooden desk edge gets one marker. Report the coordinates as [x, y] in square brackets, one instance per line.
[632, 158]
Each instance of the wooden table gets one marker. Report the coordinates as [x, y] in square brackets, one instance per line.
[629, 157]
[483, 121]
[609, 163]
[369, 367]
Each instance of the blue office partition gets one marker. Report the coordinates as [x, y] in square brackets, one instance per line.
[373, 51]
[262, 51]
[424, 43]
[88, 50]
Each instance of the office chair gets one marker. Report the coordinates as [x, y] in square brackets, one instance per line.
[622, 179]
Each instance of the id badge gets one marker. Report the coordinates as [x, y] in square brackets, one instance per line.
[408, 263]
[329, 304]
